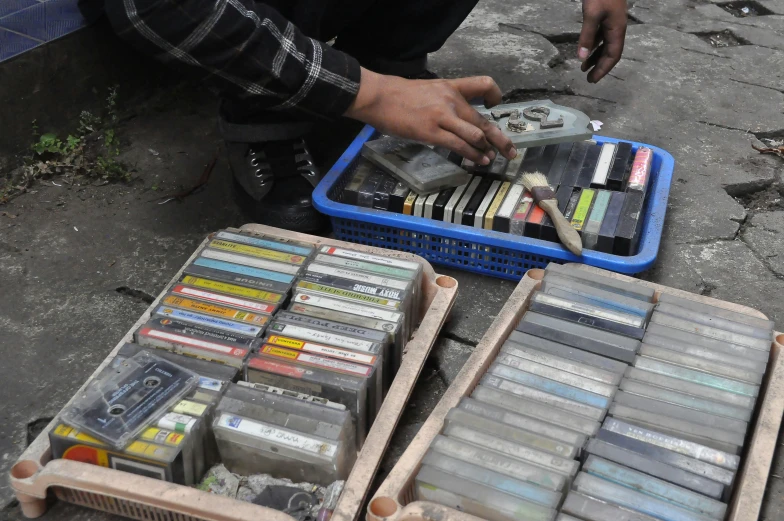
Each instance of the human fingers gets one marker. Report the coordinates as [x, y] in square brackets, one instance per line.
[587, 41]
[492, 133]
[468, 132]
[479, 87]
[614, 37]
[455, 143]
[592, 59]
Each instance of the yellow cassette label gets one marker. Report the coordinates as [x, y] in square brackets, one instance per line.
[232, 289]
[212, 309]
[286, 342]
[148, 450]
[190, 408]
[499, 198]
[151, 433]
[63, 430]
[254, 251]
[86, 437]
[139, 448]
[70, 432]
[581, 212]
[157, 435]
[408, 205]
[283, 353]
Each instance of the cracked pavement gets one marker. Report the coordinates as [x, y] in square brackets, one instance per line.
[79, 264]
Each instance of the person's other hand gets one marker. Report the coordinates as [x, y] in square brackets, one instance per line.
[434, 112]
[601, 40]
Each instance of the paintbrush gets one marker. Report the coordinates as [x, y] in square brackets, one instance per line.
[544, 196]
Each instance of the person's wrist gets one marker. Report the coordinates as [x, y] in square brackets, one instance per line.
[369, 88]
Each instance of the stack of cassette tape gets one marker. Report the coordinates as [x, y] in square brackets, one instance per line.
[284, 434]
[225, 299]
[282, 353]
[131, 418]
[344, 330]
[601, 190]
[603, 405]
[672, 443]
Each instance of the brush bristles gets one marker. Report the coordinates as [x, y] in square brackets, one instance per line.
[534, 180]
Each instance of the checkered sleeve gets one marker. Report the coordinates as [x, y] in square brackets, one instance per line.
[248, 48]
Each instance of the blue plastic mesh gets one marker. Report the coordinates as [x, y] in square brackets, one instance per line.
[481, 251]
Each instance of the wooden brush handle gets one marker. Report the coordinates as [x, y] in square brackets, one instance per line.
[568, 235]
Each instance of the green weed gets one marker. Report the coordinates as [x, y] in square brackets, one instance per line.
[81, 156]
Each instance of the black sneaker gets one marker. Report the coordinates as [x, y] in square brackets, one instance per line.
[274, 183]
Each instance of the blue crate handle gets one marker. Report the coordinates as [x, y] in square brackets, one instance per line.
[656, 205]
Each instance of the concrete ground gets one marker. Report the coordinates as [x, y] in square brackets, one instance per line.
[78, 264]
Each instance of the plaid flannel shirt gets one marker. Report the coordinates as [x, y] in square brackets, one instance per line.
[249, 48]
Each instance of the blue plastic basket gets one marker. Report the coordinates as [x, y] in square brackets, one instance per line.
[482, 251]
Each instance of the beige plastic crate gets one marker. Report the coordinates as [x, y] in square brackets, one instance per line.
[138, 497]
[394, 500]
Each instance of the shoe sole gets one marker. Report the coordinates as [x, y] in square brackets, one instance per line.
[298, 219]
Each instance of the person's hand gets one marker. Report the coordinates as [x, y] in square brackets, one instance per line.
[434, 112]
[601, 40]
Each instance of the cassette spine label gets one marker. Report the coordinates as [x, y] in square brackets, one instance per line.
[264, 243]
[219, 323]
[337, 365]
[269, 433]
[298, 316]
[602, 171]
[353, 286]
[240, 269]
[583, 206]
[492, 211]
[254, 251]
[232, 289]
[641, 169]
[183, 328]
[358, 276]
[210, 309]
[453, 201]
[408, 204]
[281, 331]
[332, 352]
[240, 279]
[508, 206]
[347, 307]
[184, 340]
[253, 262]
[370, 299]
[217, 298]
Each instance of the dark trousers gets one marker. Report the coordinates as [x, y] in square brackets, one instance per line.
[386, 36]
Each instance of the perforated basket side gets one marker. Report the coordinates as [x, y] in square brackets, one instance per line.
[437, 249]
[119, 506]
[510, 255]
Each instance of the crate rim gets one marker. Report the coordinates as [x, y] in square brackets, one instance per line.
[34, 473]
[642, 261]
[393, 500]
